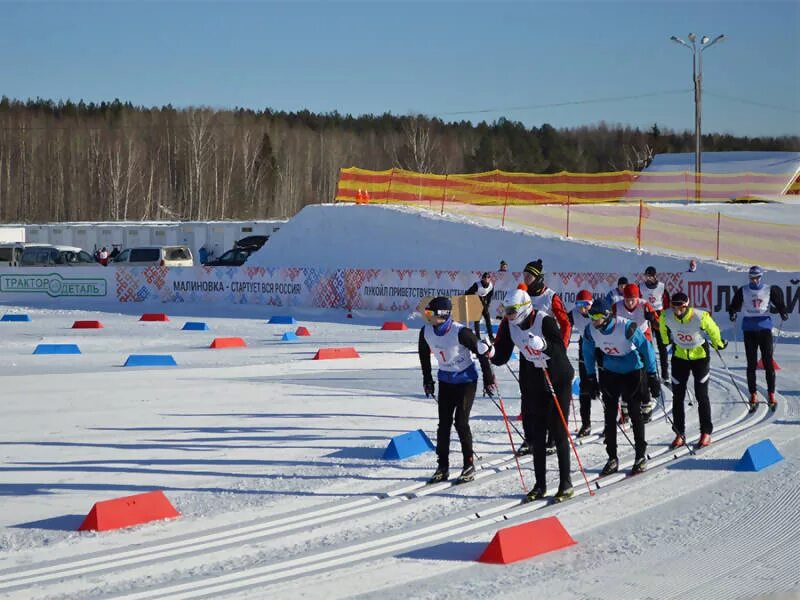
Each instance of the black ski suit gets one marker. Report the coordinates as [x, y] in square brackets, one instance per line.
[486, 300]
[538, 407]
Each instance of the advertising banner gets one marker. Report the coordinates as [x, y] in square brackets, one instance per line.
[386, 290]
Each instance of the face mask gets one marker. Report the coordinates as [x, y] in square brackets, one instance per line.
[443, 327]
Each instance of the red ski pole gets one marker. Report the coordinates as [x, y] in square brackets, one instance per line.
[511, 441]
[566, 428]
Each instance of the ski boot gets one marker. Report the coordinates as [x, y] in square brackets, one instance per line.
[467, 474]
[584, 431]
[678, 442]
[705, 440]
[639, 465]
[523, 449]
[565, 492]
[772, 401]
[753, 402]
[612, 466]
[537, 493]
[441, 474]
[647, 412]
[667, 383]
[550, 449]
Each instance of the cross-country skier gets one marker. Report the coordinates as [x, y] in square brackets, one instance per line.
[546, 300]
[453, 344]
[629, 369]
[690, 329]
[616, 294]
[754, 301]
[536, 336]
[484, 289]
[579, 318]
[657, 294]
[633, 308]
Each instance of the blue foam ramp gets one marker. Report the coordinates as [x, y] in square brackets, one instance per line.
[495, 327]
[16, 318]
[576, 387]
[759, 456]
[514, 355]
[282, 320]
[407, 445]
[289, 336]
[150, 360]
[57, 349]
[195, 326]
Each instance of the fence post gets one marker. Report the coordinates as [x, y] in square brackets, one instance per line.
[505, 206]
[444, 193]
[389, 187]
[718, 220]
[639, 226]
[567, 215]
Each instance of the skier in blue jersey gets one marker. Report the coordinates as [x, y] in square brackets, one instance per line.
[754, 300]
[629, 369]
[453, 345]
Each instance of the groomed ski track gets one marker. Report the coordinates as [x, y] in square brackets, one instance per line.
[47, 576]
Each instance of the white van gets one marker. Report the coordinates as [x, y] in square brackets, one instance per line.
[43, 255]
[164, 256]
[10, 253]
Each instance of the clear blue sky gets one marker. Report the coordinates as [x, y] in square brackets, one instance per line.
[448, 59]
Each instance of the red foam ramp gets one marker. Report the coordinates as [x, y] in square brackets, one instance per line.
[760, 364]
[527, 540]
[231, 342]
[325, 353]
[302, 331]
[128, 511]
[154, 317]
[394, 326]
[87, 325]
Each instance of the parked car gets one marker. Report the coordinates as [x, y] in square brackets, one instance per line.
[55, 256]
[251, 242]
[164, 256]
[231, 258]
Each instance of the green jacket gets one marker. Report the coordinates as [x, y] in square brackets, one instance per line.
[687, 332]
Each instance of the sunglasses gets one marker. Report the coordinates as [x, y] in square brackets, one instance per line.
[437, 313]
[583, 304]
[513, 309]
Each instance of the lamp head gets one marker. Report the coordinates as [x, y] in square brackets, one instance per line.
[692, 37]
[705, 39]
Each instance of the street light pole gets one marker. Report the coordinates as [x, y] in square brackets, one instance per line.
[697, 79]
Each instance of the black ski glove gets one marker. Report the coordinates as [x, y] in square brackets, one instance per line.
[784, 317]
[722, 345]
[430, 389]
[592, 386]
[490, 388]
[654, 384]
[732, 316]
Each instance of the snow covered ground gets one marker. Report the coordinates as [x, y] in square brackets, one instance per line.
[274, 461]
[238, 438]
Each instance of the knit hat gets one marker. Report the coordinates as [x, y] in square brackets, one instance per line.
[535, 268]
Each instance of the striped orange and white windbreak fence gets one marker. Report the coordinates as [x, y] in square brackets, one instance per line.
[595, 207]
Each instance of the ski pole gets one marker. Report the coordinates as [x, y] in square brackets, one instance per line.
[512, 424]
[691, 395]
[514, 375]
[733, 381]
[672, 423]
[511, 441]
[736, 341]
[566, 427]
[629, 440]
